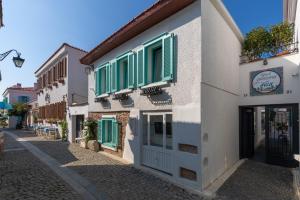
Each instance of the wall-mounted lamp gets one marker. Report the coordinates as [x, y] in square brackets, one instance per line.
[89, 69]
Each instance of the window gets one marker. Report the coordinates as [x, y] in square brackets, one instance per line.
[123, 73]
[108, 132]
[157, 130]
[23, 99]
[155, 62]
[102, 76]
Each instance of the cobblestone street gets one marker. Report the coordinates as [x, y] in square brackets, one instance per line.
[24, 177]
[116, 179]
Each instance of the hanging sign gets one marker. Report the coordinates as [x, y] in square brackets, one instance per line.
[266, 82]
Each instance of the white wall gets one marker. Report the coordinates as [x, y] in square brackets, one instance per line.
[291, 81]
[73, 111]
[182, 97]
[77, 78]
[12, 96]
[221, 48]
[56, 93]
[75, 82]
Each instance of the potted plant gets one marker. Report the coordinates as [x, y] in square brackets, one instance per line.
[264, 42]
[64, 130]
[89, 134]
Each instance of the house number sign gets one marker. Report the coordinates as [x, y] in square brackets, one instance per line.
[265, 82]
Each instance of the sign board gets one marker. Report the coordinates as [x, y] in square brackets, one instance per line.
[266, 82]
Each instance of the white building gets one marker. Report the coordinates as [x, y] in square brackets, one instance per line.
[17, 94]
[165, 92]
[62, 81]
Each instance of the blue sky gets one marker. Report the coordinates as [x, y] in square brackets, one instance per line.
[37, 28]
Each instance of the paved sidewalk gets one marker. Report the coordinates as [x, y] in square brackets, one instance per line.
[23, 176]
[259, 181]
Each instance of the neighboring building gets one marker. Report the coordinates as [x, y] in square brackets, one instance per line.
[62, 82]
[17, 94]
[32, 114]
[165, 91]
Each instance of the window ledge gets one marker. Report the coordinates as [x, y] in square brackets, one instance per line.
[124, 91]
[157, 84]
[107, 146]
[102, 96]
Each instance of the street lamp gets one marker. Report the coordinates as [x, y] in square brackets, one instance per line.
[18, 61]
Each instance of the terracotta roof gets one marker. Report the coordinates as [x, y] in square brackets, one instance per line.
[26, 89]
[150, 17]
[64, 44]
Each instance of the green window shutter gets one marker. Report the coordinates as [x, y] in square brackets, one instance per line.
[103, 139]
[100, 131]
[107, 75]
[168, 58]
[96, 82]
[99, 82]
[140, 68]
[131, 70]
[113, 77]
[115, 133]
[135, 70]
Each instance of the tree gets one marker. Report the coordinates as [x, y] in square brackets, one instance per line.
[265, 42]
[19, 110]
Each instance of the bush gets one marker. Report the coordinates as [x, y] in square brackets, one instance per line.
[265, 42]
[89, 131]
[64, 130]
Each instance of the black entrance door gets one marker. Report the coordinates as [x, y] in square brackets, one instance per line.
[79, 124]
[246, 132]
[282, 135]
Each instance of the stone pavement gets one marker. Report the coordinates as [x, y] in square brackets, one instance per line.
[251, 181]
[23, 176]
[258, 181]
[118, 180]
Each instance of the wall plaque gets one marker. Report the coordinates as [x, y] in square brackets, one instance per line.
[266, 82]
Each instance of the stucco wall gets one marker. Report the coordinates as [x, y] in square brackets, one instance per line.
[291, 81]
[75, 82]
[77, 78]
[219, 94]
[56, 93]
[12, 96]
[182, 97]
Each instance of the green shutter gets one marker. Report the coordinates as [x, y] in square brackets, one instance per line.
[115, 133]
[131, 70]
[107, 75]
[103, 139]
[135, 70]
[140, 68]
[100, 131]
[97, 83]
[113, 72]
[168, 62]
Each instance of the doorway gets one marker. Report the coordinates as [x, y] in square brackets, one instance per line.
[157, 148]
[79, 125]
[270, 134]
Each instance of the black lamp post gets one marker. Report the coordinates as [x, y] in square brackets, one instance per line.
[18, 61]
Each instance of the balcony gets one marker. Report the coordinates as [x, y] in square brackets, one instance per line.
[291, 48]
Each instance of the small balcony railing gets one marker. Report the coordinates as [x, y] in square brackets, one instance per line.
[283, 50]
